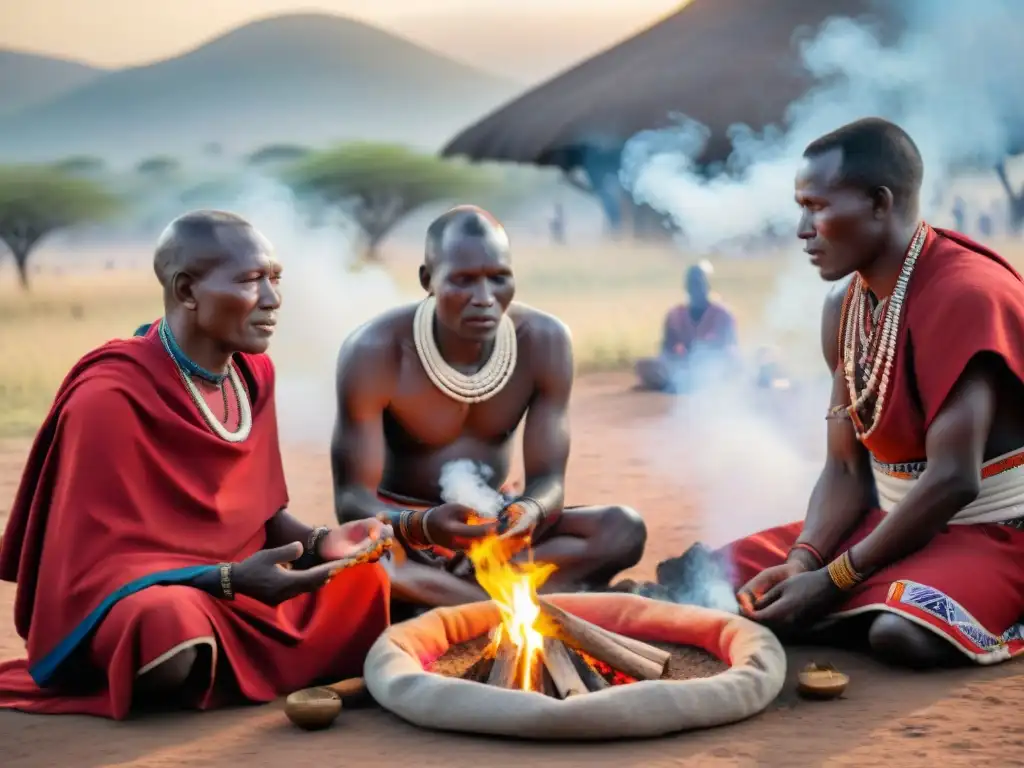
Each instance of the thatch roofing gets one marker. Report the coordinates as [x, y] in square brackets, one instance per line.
[717, 61]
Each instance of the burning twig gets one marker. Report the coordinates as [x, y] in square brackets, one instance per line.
[615, 650]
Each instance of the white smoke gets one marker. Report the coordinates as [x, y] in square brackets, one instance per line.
[951, 80]
[325, 297]
[465, 482]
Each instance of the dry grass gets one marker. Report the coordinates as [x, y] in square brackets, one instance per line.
[613, 298]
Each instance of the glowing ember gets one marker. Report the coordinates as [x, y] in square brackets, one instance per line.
[513, 587]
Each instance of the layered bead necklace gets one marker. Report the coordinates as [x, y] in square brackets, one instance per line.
[187, 368]
[465, 388]
[877, 345]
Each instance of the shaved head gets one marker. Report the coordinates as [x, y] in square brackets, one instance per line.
[198, 241]
[453, 228]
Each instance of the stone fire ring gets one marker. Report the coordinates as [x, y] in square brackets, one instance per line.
[395, 675]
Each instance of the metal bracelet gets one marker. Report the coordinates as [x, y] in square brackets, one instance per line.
[312, 543]
[228, 592]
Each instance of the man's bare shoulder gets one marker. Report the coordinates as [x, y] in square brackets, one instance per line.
[370, 355]
[540, 327]
[380, 337]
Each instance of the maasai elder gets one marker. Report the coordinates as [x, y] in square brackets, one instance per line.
[148, 532]
[915, 524]
[450, 378]
[698, 339]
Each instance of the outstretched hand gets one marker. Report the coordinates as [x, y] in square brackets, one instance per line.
[351, 539]
[262, 577]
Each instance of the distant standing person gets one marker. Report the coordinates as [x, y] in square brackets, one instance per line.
[699, 333]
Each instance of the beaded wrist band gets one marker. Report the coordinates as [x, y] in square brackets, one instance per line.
[309, 556]
[810, 550]
[313, 542]
[228, 592]
[842, 572]
[409, 522]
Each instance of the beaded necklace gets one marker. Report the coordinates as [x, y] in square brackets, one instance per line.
[465, 388]
[187, 368]
[879, 346]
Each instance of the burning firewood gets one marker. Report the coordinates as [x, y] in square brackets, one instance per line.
[481, 670]
[592, 679]
[505, 671]
[617, 651]
[567, 681]
[648, 651]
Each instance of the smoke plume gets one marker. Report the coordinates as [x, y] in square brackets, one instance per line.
[324, 299]
[950, 79]
[465, 481]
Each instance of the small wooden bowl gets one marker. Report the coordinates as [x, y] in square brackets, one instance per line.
[313, 709]
[822, 681]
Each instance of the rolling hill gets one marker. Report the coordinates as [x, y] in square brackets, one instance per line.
[309, 78]
[28, 80]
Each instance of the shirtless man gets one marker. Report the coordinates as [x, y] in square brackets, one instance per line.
[404, 412]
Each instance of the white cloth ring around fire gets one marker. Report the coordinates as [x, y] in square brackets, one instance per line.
[395, 674]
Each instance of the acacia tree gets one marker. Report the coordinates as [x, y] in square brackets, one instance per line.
[38, 200]
[377, 185]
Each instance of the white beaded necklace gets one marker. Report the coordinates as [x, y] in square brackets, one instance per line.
[881, 365]
[244, 409]
[465, 388]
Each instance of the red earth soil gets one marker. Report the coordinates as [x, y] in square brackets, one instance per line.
[969, 717]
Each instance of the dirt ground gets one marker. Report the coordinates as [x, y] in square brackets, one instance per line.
[969, 717]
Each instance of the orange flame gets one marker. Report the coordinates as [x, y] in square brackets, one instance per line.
[513, 587]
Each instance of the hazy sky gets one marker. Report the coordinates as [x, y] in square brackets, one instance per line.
[120, 32]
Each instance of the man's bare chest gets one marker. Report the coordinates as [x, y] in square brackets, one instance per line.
[427, 416]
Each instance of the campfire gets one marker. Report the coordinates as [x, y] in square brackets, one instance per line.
[539, 647]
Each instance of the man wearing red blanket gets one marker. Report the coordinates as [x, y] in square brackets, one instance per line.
[914, 536]
[149, 530]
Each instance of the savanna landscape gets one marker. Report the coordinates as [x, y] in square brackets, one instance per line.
[326, 132]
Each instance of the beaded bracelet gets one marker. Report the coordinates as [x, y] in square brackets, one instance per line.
[227, 591]
[842, 572]
[809, 549]
[406, 522]
[310, 556]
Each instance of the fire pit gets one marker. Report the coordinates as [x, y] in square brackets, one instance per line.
[571, 666]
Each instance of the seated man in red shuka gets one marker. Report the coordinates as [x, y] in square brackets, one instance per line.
[914, 536]
[150, 527]
[698, 343]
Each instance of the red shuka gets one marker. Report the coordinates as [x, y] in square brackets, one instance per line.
[716, 328]
[967, 584]
[126, 496]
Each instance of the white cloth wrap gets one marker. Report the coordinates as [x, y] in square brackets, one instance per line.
[1001, 497]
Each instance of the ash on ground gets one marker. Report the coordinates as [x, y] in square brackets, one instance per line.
[697, 577]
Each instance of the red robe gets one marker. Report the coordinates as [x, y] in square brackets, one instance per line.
[966, 584]
[716, 330]
[127, 495]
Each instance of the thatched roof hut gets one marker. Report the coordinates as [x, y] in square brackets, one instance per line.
[720, 62]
